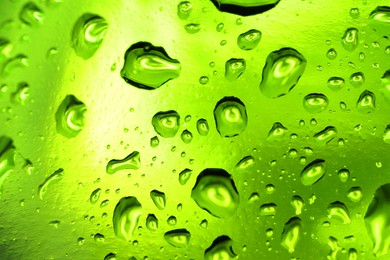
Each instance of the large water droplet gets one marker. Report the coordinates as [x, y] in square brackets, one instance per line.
[315, 103]
[377, 220]
[178, 238]
[366, 102]
[339, 211]
[126, 217]
[350, 39]
[234, 68]
[249, 40]
[166, 123]
[245, 8]
[7, 159]
[132, 161]
[148, 67]
[281, 72]
[70, 116]
[379, 20]
[31, 14]
[88, 34]
[184, 9]
[56, 176]
[325, 136]
[216, 193]
[291, 234]
[230, 117]
[277, 132]
[158, 198]
[221, 249]
[313, 172]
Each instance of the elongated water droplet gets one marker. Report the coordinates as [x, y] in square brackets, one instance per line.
[230, 117]
[126, 217]
[148, 67]
[355, 194]
[334, 248]
[31, 14]
[313, 172]
[385, 86]
[95, 195]
[297, 203]
[291, 234]
[281, 72]
[350, 39]
[245, 8]
[70, 116]
[325, 136]
[192, 28]
[19, 61]
[184, 10]
[151, 222]
[234, 69]
[277, 132]
[178, 238]
[56, 176]
[158, 198]
[249, 40]
[88, 34]
[357, 79]
[379, 20]
[245, 162]
[216, 193]
[184, 176]
[366, 102]
[202, 126]
[7, 159]
[166, 123]
[268, 209]
[377, 220]
[339, 211]
[132, 161]
[221, 249]
[315, 103]
[336, 83]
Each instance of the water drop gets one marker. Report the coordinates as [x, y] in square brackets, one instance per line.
[230, 117]
[268, 209]
[291, 234]
[5, 49]
[221, 248]
[184, 176]
[245, 8]
[21, 94]
[158, 198]
[88, 34]
[148, 67]
[192, 28]
[325, 136]
[281, 72]
[245, 162]
[385, 86]
[366, 102]
[56, 176]
[331, 54]
[334, 248]
[126, 217]
[357, 79]
[379, 20]
[151, 222]
[216, 193]
[154, 142]
[343, 175]
[313, 172]
[254, 197]
[234, 69]
[172, 220]
[178, 238]
[277, 132]
[315, 103]
[184, 10]
[350, 39]
[99, 238]
[297, 203]
[355, 194]
[352, 254]
[31, 14]
[339, 211]
[7, 159]
[132, 161]
[70, 116]
[95, 195]
[249, 40]
[202, 126]
[186, 136]
[354, 13]
[336, 83]
[19, 61]
[110, 256]
[386, 135]
[166, 123]
[204, 80]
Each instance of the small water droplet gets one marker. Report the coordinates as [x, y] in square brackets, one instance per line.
[336, 83]
[325, 136]
[184, 176]
[95, 195]
[385, 86]
[268, 209]
[313, 172]
[186, 136]
[221, 248]
[204, 80]
[184, 10]
[354, 13]
[249, 40]
[357, 79]
[245, 162]
[297, 203]
[315, 103]
[230, 117]
[277, 132]
[234, 69]
[166, 123]
[366, 102]
[178, 238]
[355, 194]
[70, 116]
[151, 222]
[154, 142]
[202, 126]
[350, 39]
[244, 8]
[192, 28]
[331, 54]
[21, 94]
[158, 198]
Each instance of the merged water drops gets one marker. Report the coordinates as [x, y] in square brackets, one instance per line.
[291, 234]
[350, 39]
[245, 8]
[216, 193]
[281, 72]
[234, 69]
[149, 67]
[178, 238]
[249, 40]
[31, 14]
[126, 216]
[379, 20]
[88, 34]
[315, 103]
[313, 172]
[221, 248]
[70, 116]
[230, 117]
[132, 161]
[166, 123]
[366, 102]
[53, 178]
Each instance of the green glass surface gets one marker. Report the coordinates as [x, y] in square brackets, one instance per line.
[199, 129]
